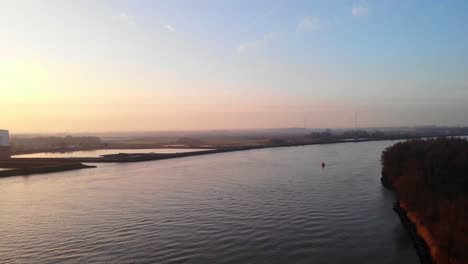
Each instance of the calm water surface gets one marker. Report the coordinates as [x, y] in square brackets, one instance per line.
[99, 152]
[259, 206]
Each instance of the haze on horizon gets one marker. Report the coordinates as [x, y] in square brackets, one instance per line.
[185, 65]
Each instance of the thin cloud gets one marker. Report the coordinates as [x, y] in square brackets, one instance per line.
[169, 27]
[123, 17]
[255, 44]
[309, 23]
[360, 9]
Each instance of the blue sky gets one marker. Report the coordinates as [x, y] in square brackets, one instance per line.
[257, 64]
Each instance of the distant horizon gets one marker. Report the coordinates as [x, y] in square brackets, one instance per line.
[13, 133]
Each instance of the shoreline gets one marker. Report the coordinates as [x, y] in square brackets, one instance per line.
[427, 178]
[422, 249]
[27, 168]
[136, 157]
[420, 245]
[31, 166]
[139, 157]
[64, 164]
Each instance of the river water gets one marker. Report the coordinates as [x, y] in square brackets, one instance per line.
[258, 206]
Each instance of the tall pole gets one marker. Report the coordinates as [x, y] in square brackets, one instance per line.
[355, 120]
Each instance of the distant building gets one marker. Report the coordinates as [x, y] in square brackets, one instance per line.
[5, 149]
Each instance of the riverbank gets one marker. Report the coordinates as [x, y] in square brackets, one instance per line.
[409, 223]
[422, 249]
[429, 179]
[16, 167]
[138, 157]
[29, 166]
[210, 146]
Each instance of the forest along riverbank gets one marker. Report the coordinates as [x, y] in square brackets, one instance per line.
[430, 178]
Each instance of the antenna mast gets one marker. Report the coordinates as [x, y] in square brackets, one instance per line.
[355, 120]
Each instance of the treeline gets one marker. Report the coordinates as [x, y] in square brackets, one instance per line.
[67, 142]
[382, 134]
[348, 134]
[430, 178]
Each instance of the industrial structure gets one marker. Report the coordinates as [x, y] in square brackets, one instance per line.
[5, 149]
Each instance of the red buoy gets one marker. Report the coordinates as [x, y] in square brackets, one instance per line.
[323, 164]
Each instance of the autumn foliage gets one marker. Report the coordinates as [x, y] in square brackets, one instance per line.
[430, 178]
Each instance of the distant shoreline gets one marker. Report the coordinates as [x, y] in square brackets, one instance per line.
[222, 144]
[139, 157]
[47, 165]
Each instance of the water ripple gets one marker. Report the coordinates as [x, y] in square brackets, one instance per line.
[260, 206]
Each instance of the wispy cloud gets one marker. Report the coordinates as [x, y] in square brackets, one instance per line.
[123, 17]
[309, 23]
[169, 27]
[255, 44]
[360, 9]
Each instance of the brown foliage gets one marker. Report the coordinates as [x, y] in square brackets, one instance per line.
[431, 178]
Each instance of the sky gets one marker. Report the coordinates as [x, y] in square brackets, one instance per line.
[142, 65]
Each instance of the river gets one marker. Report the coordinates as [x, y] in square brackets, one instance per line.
[258, 206]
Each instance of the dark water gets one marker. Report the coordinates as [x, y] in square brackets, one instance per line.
[258, 206]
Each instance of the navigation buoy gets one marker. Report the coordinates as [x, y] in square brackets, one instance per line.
[323, 164]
